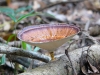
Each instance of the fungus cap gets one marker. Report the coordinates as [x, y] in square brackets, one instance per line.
[48, 36]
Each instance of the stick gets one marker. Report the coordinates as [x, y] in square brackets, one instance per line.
[5, 49]
[58, 3]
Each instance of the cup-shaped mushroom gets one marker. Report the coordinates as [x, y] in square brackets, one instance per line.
[48, 36]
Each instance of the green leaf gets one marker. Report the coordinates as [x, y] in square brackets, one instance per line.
[24, 45]
[36, 49]
[27, 15]
[12, 17]
[7, 10]
[29, 47]
[49, 15]
[3, 59]
[10, 37]
[22, 9]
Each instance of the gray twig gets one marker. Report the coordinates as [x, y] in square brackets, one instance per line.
[21, 60]
[67, 54]
[5, 49]
[54, 4]
[2, 40]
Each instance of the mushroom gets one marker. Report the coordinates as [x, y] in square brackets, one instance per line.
[48, 36]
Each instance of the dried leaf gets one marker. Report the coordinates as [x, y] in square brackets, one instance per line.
[84, 71]
[84, 64]
[95, 70]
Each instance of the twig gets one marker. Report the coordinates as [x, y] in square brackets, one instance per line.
[75, 73]
[67, 54]
[82, 35]
[71, 22]
[87, 26]
[54, 4]
[2, 40]
[5, 49]
[21, 60]
[90, 37]
[82, 23]
[17, 44]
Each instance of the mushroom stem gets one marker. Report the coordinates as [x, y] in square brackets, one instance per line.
[52, 55]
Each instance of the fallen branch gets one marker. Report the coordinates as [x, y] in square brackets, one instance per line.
[5, 49]
[70, 22]
[58, 67]
[82, 23]
[21, 60]
[54, 4]
[90, 37]
[15, 43]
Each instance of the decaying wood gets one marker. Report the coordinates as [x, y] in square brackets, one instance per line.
[62, 66]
